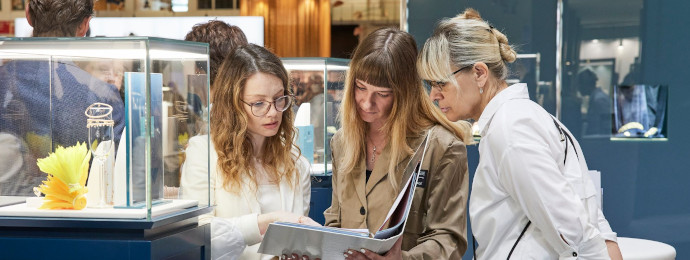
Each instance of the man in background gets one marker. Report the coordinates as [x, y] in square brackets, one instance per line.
[598, 118]
[43, 99]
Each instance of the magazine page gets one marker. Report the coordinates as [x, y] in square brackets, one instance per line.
[330, 243]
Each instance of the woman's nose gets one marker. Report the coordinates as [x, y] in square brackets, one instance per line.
[435, 95]
[368, 102]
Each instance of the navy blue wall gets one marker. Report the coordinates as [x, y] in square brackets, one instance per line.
[646, 193]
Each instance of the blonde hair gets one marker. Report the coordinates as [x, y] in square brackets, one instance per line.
[386, 58]
[229, 129]
[464, 41]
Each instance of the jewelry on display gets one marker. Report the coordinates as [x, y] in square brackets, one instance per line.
[100, 124]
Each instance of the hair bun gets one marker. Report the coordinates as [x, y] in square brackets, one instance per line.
[507, 53]
[470, 13]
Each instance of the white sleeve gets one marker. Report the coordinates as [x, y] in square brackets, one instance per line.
[194, 174]
[528, 172]
[304, 171]
[193, 186]
[226, 240]
[605, 229]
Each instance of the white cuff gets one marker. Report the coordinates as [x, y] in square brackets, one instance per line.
[226, 240]
[249, 226]
[594, 249]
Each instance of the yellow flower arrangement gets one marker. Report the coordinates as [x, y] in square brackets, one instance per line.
[67, 170]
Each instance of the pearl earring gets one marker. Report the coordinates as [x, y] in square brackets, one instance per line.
[481, 90]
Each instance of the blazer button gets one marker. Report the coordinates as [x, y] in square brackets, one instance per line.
[362, 211]
[574, 254]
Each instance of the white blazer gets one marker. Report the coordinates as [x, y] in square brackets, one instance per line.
[522, 176]
[234, 218]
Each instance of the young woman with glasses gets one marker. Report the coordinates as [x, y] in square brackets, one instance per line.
[257, 173]
[532, 197]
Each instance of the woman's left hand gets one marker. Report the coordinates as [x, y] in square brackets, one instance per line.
[365, 254]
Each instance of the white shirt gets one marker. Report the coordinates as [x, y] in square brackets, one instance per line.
[234, 223]
[521, 176]
[269, 198]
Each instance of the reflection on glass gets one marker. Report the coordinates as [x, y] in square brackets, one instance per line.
[640, 111]
[318, 87]
[598, 109]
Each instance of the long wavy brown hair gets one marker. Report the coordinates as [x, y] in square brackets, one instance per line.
[229, 122]
[386, 58]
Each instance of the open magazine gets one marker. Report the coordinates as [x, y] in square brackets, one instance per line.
[330, 243]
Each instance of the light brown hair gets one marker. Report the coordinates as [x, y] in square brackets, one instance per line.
[229, 129]
[386, 58]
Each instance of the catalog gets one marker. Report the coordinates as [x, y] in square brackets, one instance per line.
[331, 243]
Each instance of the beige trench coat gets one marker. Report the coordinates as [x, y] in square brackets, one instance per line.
[436, 225]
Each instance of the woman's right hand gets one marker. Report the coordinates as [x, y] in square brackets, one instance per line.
[283, 216]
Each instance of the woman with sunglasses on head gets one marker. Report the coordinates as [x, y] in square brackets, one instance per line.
[532, 197]
[257, 173]
[385, 115]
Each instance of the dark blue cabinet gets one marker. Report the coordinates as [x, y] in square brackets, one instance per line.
[175, 236]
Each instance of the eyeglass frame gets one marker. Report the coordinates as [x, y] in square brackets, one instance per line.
[441, 84]
[287, 106]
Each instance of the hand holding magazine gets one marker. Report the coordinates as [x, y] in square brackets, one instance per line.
[330, 243]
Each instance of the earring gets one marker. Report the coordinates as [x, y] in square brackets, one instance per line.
[481, 90]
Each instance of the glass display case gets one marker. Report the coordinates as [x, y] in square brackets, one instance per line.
[158, 95]
[640, 112]
[318, 86]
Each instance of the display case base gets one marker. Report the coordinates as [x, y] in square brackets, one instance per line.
[173, 236]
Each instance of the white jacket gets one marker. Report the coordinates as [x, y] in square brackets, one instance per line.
[234, 219]
[522, 176]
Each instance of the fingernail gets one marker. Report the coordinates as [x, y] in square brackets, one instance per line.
[349, 251]
[283, 257]
[345, 255]
[304, 258]
[363, 251]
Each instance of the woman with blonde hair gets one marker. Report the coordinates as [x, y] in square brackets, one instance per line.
[532, 197]
[385, 115]
[257, 173]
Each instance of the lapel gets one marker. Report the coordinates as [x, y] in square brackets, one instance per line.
[250, 197]
[358, 179]
[381, 168]
[286, 193]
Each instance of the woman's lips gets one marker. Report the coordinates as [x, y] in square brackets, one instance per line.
[271, 125]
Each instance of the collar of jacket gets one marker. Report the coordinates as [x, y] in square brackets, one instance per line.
[515, 91]
[380, 171]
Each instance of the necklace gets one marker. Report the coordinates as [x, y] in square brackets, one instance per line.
[373, 153]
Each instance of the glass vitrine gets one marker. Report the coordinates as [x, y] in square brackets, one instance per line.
[158, 93]
[318, 86]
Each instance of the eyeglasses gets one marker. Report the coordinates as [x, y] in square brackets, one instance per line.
[261, 108]
[440, 84]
